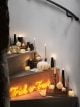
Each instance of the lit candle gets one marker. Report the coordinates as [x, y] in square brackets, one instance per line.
[63, 89]
[45, 52]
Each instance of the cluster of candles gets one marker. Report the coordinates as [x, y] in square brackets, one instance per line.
[60, 84]
[18, 45]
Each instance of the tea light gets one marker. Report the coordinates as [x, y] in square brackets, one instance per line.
[22, 51]
[38, 58]
[63, 89]
[52, 87]
[71, 93]
[42, 92]
[27, 68]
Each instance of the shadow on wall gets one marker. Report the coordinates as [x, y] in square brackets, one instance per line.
[46, 4]
[49, 24]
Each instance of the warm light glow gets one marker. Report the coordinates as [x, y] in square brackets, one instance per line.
[27, 68]
[25, 89]
[54, 56]
[22, 50]
[21, 35]
[43, 92]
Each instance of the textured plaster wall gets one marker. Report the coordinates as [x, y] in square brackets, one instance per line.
[48, 24]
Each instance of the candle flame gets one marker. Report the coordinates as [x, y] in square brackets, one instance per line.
[20, 35]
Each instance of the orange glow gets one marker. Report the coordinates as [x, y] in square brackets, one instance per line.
[26, 89]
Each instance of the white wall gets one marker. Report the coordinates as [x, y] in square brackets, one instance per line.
[36, 18]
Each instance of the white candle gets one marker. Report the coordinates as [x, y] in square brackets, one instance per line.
[27, 68]
[71, 93]
[45, 49]
[63, 89]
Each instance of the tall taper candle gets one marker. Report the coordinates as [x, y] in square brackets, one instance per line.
[45, 52]
[63, 77]
[52, 62]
